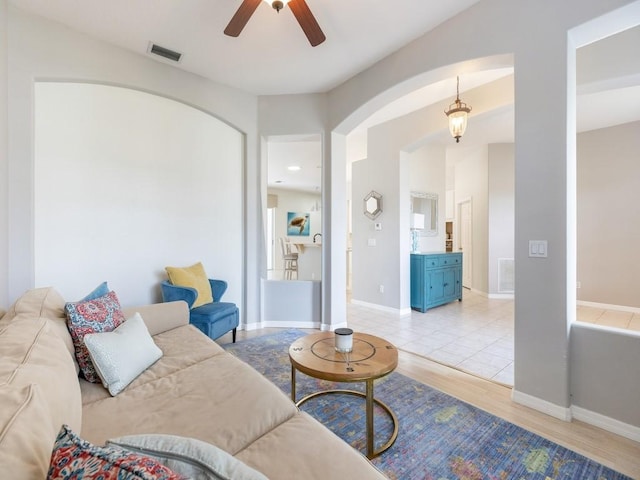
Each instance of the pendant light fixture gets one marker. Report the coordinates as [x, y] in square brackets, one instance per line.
[457, 113]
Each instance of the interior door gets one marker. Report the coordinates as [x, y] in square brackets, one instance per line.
[466, 243]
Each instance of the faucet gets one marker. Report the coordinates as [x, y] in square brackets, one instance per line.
[314, 237]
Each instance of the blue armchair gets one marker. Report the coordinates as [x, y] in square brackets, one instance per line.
[213, 319]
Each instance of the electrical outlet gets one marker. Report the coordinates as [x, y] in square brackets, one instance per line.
[578, 284]
[381, 288]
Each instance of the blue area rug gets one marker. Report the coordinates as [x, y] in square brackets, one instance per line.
[440, 437]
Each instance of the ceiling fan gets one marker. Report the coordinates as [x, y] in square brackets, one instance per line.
[299, 8]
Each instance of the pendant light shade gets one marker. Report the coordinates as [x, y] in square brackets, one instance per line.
[457, 113]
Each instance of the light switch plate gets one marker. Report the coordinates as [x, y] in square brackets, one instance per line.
[371, 242]
[538, 248]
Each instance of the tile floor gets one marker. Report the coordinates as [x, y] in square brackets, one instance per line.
[609, 318]
[475, 335]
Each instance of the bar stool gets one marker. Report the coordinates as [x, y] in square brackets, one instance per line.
[289, 258]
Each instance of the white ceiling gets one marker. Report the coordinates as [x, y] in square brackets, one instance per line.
[272, 56]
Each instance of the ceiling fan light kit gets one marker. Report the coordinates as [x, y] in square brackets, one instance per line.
[299, 8]
[277, 4]
[458, 113]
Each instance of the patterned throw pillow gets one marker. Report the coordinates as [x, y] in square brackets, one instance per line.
[102, 314]
[73, 457]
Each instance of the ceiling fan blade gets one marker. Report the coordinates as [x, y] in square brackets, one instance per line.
[307, 21]
[241, 17]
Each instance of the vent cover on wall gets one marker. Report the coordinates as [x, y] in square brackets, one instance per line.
[506, 275]
[164, 52]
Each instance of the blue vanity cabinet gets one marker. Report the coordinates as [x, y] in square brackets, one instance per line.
[436, 279]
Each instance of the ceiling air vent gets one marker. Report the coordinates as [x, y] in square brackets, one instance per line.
[164, 52]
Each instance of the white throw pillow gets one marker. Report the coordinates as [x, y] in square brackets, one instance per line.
[121, 355]
[194, 458]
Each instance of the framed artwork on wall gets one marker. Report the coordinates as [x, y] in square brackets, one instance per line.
[298, 224]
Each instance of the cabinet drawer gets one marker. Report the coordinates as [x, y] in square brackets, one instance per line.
[449, 260]
[431, 262]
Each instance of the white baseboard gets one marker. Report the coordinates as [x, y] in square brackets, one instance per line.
[383, 308]
[250, 326]
[606, 423]
[574, 412]
[502, 296]
[272, 324]
[556, 411]
[607, 306]
[303, 325]
[493, 296]
[474, 290]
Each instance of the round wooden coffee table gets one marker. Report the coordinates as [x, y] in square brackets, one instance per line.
[372, 357]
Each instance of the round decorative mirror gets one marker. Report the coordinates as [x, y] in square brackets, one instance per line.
[373, 204]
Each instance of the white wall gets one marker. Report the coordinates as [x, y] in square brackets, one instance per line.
[608, 212]
[127, 183]
[373, 259]
[500, 209]
[4, 173]
[427, 174]
[472, 183]
[35, 53]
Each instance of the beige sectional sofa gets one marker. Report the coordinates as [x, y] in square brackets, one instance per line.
[196, 390]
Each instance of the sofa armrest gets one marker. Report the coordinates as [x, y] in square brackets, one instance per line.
[160, 317]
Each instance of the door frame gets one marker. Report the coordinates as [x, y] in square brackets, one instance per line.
[467, 250]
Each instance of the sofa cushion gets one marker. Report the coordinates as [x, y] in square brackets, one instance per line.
[193, 277]
[123, 354]
[38, 302]
[297, 437]
[181, 347]
[161, 317]
[39, 392]
[195, 390]
[188, 456]
[26, 432]
[102, 314]
[73, 457]
[47, 303]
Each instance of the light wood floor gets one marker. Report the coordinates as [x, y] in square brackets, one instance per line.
[614, 451]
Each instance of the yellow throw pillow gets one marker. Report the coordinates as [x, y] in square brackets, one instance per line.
[194, 277]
